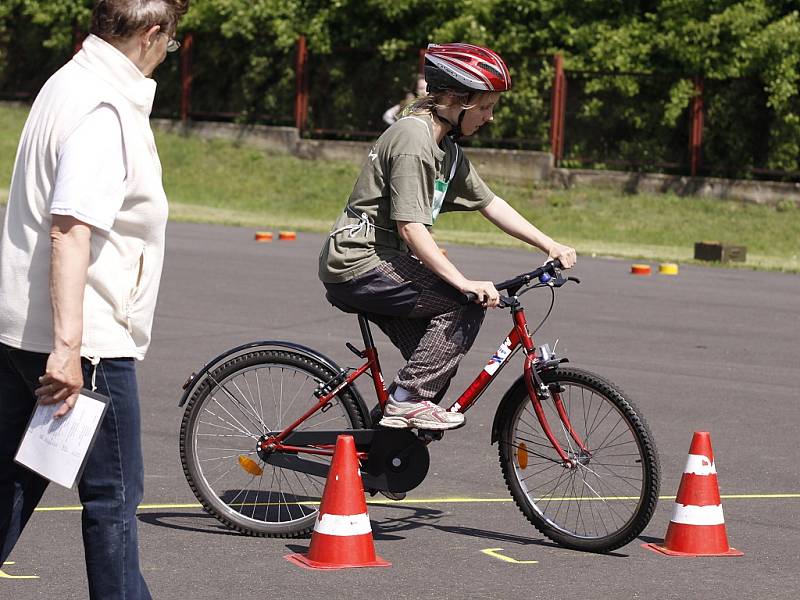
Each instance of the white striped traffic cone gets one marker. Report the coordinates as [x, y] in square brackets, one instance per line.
[697, 527]
[342, 536]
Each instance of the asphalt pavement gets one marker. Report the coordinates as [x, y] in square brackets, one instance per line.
[709, 349]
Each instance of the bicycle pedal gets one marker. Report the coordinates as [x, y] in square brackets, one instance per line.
[430, 435]
[396, 496]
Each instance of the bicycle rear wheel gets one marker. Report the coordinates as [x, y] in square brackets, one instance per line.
[240, 401]
[609, 497]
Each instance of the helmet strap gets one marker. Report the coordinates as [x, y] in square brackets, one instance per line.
[456, 133]
[447, 122]
[455, 128]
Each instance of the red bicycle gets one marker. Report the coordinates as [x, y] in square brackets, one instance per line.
[261, 421]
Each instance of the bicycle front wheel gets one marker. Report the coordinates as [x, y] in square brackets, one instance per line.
[609, 494]
[242, 400]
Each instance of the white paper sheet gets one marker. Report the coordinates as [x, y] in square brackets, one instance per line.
[57, 448]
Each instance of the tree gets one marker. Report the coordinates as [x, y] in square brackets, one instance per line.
[364, 53]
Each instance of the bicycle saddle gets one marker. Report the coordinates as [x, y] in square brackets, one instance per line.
[341, 305]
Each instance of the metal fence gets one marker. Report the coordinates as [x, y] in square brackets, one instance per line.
[586, 119]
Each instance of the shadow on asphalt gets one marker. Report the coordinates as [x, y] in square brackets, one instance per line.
[382, 530]
[197, 522]
[419, 517]
[647, 539]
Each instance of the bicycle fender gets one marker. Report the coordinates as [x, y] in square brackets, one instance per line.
[501, 408]
[195, 379]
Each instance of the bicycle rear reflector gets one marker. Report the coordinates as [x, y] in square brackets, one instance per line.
[522, 455]
[249, 465]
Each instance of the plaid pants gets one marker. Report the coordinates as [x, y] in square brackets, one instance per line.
[422, 315]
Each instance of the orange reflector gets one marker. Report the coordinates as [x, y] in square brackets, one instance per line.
[522, 455]
[249, 465]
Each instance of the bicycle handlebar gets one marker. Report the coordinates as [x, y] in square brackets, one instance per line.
[549, 268]
[544, 273]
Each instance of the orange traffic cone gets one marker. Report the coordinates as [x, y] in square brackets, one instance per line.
[697, 527]
[342, 536]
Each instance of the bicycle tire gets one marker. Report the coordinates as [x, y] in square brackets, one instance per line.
[598, 506]
[239, 401]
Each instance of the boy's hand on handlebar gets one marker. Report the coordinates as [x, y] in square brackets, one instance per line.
[485, 292]
[565, 254]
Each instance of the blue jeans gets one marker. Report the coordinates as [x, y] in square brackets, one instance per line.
[112, 483]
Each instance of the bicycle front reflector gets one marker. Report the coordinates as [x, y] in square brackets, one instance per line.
[249, 465]
[522, 455]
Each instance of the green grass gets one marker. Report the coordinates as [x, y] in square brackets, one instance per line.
[219, 182]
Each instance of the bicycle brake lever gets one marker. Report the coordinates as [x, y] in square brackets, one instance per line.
[575, 279]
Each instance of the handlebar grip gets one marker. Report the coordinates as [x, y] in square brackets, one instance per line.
[470, 297]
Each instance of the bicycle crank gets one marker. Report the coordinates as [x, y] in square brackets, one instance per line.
[397, 461]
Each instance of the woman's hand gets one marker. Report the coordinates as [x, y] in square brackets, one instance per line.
[566, 255]
[61, 382]
[487, 294]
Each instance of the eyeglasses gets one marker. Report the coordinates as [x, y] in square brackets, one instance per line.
[173, 44]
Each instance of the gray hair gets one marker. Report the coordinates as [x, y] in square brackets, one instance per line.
[120, 19]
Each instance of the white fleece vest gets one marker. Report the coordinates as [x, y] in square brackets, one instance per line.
[125, 263]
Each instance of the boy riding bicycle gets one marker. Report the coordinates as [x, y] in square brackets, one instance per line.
[380, 258]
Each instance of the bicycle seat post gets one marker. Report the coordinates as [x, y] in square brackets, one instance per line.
[372, 355]
[366, 334]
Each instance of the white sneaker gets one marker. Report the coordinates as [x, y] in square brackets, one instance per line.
[422, 415]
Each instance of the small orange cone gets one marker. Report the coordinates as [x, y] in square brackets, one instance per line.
[263, 236]
[287, 235]
[697, 527]
[342, 536]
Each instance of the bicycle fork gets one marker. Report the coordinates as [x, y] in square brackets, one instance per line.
[539, 392]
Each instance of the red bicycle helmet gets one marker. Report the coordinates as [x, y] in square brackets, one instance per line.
[465, 68]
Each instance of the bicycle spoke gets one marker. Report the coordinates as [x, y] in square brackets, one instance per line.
[239, 423]
[249, 404]
[210, 424]
[235, 401]
[233, 427]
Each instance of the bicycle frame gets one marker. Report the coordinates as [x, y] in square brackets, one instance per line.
[517, 337]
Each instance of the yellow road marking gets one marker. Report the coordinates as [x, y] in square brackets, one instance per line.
[4, 575]
[454, 500]
[494, 553]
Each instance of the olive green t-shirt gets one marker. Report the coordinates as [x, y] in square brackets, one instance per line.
[397, 183]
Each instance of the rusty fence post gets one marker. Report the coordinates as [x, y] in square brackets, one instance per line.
[301, 85]
[697, 111]
[186, 76]
[558, 110]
